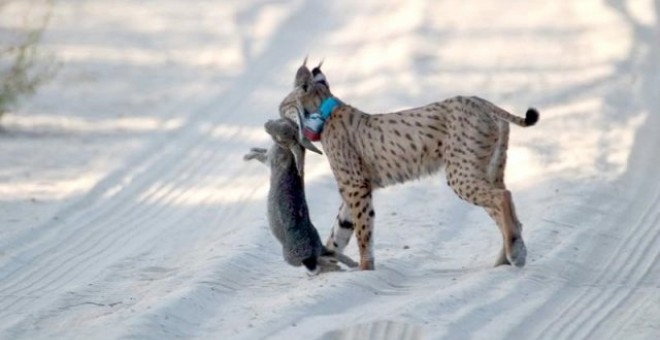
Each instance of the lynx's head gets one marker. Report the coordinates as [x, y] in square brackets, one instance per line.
[307, 80]
[310, 87]
[309, 90]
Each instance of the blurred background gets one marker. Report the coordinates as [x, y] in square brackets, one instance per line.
[124, 122]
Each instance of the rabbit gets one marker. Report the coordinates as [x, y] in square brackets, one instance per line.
[288, 214]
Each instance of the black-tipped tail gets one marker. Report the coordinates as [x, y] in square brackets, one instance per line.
[531, 117]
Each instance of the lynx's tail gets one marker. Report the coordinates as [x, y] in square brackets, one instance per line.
[531, 117]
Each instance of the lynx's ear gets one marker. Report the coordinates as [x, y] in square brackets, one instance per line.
[303, 78]
[318, 77]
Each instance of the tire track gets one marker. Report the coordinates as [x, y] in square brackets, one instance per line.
[494, 309]
[631, 279]
[114, 220]
[582, 304]
[626, 276]
[102, 239]
[141, 162]
[177, 278]
[196, 121]
[641, 304]
[114, 214]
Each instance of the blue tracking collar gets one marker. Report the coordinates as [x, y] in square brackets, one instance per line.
[327, 106]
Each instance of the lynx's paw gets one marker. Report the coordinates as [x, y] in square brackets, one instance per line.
[518, 253]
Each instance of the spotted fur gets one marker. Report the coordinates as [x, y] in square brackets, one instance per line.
[467, 136]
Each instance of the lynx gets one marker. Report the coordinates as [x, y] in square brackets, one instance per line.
[466, 135]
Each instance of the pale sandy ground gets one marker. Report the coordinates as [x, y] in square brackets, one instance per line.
[127, 211]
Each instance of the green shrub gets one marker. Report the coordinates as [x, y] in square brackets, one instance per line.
[23, 68]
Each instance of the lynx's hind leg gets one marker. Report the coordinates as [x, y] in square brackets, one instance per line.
[496, 178]
[513, 248]
[518, 246]
[474, 188]
[501, 257]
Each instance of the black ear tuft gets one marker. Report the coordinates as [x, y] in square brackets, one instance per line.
[318, 77]
[531, 117]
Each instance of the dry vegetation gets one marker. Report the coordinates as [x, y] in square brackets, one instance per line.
[23, 66]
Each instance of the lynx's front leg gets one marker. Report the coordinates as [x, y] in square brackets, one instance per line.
[342, 230]
[357, 196]
[357, 208]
